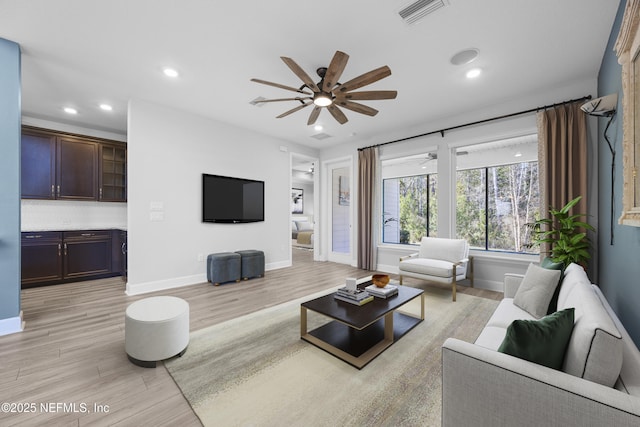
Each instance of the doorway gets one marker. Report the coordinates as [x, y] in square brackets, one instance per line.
[304, 207]
[339, 211]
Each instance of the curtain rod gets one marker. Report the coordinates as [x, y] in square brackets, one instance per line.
[442, 131]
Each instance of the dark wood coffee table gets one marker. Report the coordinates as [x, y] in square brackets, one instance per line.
[358, 334]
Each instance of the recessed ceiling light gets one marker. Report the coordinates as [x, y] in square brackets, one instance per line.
[70, 110]
[170, 72]
[464, 56]
[106, 107]
[318, 127]
[473, 73]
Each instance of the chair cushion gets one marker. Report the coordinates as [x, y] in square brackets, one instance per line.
[541, 341]
[536, 290]
[429, 267]
[452, 250]
[595, 350]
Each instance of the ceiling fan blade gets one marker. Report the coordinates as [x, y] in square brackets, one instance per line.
[264, 82]
[337, 114]
[293, 110]
[281, 99]
[364, 79]
[371, 95]
[358, 108]
[300, 73]
[314, 115]
[334, 71]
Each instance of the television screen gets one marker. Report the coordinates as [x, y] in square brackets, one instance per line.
[232, 200]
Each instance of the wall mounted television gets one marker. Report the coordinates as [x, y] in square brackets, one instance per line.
[232, 200]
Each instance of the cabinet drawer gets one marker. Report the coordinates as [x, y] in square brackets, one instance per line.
[38, 236]
[87, 234]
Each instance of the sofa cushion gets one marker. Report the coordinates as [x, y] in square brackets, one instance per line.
[541, 341]
[595, 349]
[536, 290]
[573, 275]
[431, 267]
[452, 250]
[506, 313]
[491, 337]
[549, 264]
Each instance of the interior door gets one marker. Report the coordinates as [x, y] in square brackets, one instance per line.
[340, 213]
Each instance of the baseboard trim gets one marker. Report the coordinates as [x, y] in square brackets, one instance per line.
[489, 285]
[278, 265]
[161, 285]
[178, 282]
[11, 325]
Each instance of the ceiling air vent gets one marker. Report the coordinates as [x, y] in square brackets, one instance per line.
[321, 136]
[413, 12]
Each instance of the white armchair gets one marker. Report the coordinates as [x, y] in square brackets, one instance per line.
[439, 260]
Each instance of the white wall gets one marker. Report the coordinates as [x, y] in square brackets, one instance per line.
[168, 152]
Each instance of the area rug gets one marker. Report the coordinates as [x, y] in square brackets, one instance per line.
[256, 371]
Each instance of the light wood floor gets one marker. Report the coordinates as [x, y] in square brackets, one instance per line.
[72, 349]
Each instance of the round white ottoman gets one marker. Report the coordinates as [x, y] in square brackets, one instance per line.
[156, 328]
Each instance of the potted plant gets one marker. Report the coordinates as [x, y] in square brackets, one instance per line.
[565, 234]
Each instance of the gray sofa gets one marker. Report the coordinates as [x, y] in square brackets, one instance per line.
[599, 384]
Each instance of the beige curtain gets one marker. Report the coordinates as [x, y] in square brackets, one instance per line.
[367, 178]
[562, 158]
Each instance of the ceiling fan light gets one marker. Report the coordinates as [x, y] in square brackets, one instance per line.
[322, 100]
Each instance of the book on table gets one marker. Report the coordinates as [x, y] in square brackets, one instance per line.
[385, 292]
[354, 301]
[357, 294]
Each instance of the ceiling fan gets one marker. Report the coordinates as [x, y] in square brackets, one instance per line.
[329, 93]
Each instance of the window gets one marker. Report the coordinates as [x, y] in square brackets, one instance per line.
[494, 202]
[410, 206]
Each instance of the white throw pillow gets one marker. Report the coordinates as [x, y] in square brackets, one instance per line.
[304, 226]
[536, 290]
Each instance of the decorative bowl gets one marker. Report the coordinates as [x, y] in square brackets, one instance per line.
[380, 280]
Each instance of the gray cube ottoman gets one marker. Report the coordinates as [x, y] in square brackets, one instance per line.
[223, 267]
[252, 262]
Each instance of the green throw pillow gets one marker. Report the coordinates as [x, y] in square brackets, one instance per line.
[551, 265]
[541, 341]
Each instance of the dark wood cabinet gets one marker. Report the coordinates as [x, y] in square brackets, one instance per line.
[38, 160]
[77, 169]
[41, 258]
[86, 253]
[72, 167]
[51, 257]
[113, 173]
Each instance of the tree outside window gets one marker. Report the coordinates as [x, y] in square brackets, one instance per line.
[495, 203]
[410, 208]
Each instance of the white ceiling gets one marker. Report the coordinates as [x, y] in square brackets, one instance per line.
[82, 53]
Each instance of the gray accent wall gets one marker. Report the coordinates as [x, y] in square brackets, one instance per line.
[619, 266]
[9, 185]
